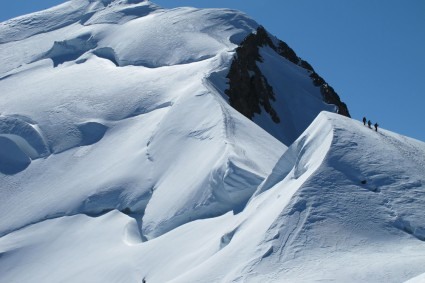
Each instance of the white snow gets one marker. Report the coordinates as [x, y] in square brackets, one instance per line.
[128, 136]
[311, 220]
[120, 159]
[417, 279]
[299, 101]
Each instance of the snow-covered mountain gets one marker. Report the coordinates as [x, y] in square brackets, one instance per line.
[186, 145]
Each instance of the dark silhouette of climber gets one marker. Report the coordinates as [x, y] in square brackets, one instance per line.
[376, 127]
[369, 123]
[364, 121]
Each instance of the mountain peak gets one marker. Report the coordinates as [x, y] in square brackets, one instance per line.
[190, 145]
[108, 2]
[257, 91]
[119, 2]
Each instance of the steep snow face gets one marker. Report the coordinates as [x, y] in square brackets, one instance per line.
[331, 211]
[108, 105]
[299, 101]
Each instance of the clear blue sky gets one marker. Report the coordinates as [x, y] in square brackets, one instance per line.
[371, 51]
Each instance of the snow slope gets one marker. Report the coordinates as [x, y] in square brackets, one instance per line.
[121, 159]
[121, 120]
[312, 219]
[299, 101]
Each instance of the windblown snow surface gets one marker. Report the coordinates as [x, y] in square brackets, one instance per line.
[121, 159]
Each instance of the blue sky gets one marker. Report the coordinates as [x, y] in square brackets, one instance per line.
[370, 51]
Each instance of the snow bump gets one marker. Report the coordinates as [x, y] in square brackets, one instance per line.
[21, 142]
[12, 158]
[70, 50]
[91, 132]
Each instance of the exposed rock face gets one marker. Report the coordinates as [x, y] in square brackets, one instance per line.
[249, 89]
[329, 94]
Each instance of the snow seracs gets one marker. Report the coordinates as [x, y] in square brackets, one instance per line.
[124, 122]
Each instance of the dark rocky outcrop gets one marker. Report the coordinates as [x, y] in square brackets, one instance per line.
[331, 97]
[249, 90]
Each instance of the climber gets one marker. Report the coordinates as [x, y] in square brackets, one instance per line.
[364, 121]
[376, 127]
[369, 123]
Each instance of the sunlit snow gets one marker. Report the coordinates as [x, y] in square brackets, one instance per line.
[121, 160]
